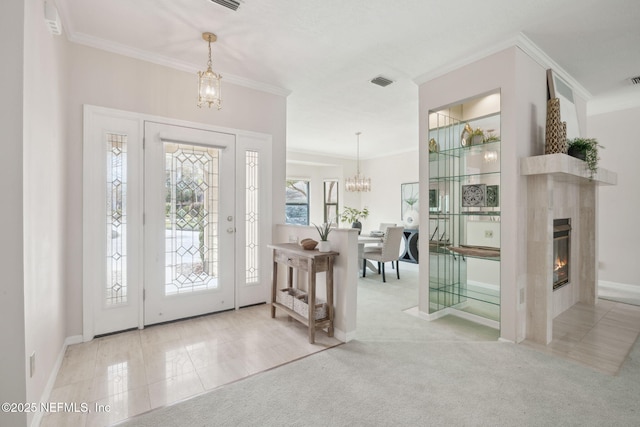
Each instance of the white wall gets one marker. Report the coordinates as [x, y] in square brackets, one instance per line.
[109, 80]
[12, 329]
[45, 197]
[387, 174]
[619, 205]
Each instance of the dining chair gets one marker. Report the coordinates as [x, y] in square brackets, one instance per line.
[389, 251]
[383, 227]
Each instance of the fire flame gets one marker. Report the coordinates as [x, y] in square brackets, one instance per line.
[560, 263]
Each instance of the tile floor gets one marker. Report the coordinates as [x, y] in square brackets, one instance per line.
[136, 371]
[599, 336]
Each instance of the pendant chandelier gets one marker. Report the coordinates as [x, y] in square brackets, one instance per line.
[208, 81]
[358, 182]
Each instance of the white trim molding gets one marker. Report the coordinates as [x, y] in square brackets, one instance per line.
[523, 43]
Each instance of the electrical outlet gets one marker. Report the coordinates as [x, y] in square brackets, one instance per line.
[488, 234]
[32, 364]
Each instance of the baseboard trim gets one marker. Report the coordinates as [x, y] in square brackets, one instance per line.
[623, 287]
[621, 292]
[46, 393]
[343, 336]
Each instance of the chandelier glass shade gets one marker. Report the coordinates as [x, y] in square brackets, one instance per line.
[358, 182]
[209, 93]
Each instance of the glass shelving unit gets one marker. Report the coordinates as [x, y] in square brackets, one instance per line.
[464, 213]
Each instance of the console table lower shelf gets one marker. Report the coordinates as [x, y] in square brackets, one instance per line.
[304, 307]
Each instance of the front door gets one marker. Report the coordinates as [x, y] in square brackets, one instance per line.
[189, 222]
[168, 230]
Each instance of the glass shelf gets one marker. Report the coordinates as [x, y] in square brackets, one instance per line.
[466, 151]
[462, 290]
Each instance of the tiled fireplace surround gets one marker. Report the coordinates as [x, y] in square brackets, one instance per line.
[559, 186]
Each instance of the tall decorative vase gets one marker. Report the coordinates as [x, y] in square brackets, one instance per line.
[555, 137]
[324, 246]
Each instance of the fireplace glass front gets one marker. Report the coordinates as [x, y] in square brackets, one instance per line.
[561, 251]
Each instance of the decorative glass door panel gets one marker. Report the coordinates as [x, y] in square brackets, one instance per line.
[191, 217]
[190, 224]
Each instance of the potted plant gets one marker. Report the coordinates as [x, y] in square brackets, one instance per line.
[477, 136]
[353, 216]
[585, 149]
[323, 231]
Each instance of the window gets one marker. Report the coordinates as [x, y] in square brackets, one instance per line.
[297, 200]
[331, 201]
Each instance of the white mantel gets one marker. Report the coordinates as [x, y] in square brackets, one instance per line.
[565, 167]
[560, 186]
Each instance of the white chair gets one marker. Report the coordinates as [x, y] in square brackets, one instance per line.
[383, 227]
[390, 251]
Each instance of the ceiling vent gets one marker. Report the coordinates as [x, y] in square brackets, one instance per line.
[230, 4]
[381, 81]
[635, 80]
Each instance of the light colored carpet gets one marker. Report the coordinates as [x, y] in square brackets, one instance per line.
[402, 370]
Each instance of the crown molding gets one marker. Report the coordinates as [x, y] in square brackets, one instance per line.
[165, 61]
[534, 52]
[523, 43]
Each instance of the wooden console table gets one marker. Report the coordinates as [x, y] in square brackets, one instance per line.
[294, 256]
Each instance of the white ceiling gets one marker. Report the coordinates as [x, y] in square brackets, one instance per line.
[324, 52]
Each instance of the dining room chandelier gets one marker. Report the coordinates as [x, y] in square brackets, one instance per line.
[358, 182]
[208, 81]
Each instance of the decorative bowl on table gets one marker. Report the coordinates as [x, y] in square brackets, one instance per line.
[308, 244]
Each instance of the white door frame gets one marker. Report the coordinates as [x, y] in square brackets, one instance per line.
[93, 237]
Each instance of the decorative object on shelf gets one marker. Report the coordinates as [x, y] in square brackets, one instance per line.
[491, 136]
[465, 137]
[559, 88]
[433, 200]
[409, 209]
[474, 195]
[353, 216]
[477, 137]
[554, 141]
[493, 196]
[358, 182]
[208, 81]
[433, 146]
[308, 244]
[586, 149]
[323, 231]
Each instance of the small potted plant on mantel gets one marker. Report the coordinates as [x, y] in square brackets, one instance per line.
[353, 216]
[585, 149]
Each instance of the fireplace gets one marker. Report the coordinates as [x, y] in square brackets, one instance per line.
[561, 251]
